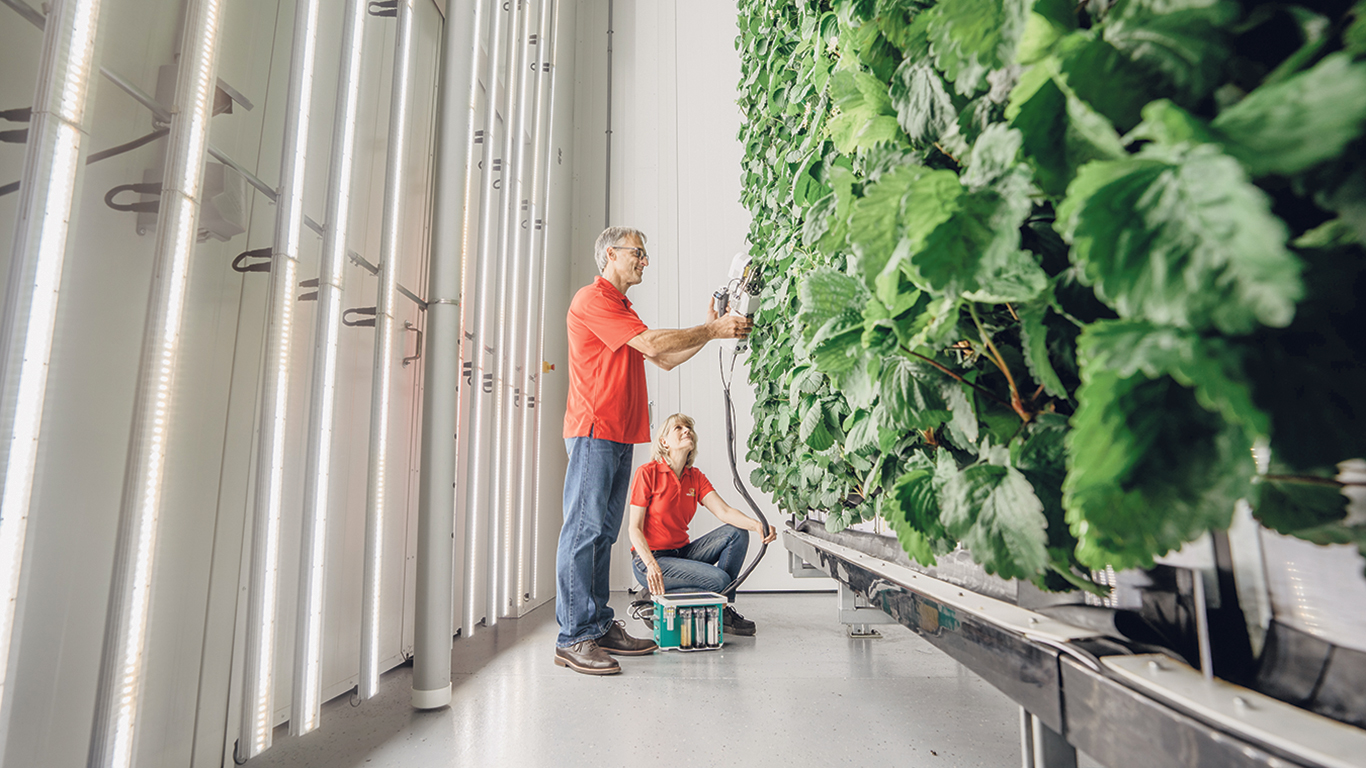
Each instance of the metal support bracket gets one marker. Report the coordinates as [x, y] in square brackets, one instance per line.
[858, 616]
[1043, 747]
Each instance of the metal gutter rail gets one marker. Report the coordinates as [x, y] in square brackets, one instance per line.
[1127, 711]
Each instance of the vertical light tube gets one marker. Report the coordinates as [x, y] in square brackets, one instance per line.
[529, 483]
[433, 620]
[376, 502]
[52, 172]
[497, 506]
[306, 701]
[516, 205]
[482, 411]
[258, 684]
[120, 684]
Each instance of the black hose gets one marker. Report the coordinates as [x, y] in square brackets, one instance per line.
[735, 471]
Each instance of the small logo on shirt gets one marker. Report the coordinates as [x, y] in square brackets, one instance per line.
[692, 492]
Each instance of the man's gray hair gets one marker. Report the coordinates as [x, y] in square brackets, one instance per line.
[610, 237]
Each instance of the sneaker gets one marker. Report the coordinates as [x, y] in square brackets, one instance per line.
[618, 642]
[734, 623]
[586, 657]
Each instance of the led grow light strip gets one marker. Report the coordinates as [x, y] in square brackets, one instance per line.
[120, 685]
[306, 702]
[258, 685]
[52, 166]
[381, 390]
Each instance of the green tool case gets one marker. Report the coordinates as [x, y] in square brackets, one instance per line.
[688, 621]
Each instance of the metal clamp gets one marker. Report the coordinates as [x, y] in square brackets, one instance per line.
[364, 322]
[149, 206]
[387, 8]
[407, 326]
[311, 295]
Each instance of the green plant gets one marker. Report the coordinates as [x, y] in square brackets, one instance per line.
[1041, 275]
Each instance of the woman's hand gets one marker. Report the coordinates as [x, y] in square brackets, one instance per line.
[770, 536]
[654, 578]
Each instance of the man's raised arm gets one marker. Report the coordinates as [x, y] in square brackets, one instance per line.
[669, 348]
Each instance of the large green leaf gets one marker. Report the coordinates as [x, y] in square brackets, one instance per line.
[969, 38]
[1211, 366]
[1179, 236]
[866, 116]
[1103, 77]
[1289, 507]
[1299, 122]
[1149, 469]
[1061, 133]
[813, 430]
[1034, 345]
[993, 510]
[912, 512]
[873, 222]
[924, 108]
[1184, 44]
[827, 293]
[913, 395]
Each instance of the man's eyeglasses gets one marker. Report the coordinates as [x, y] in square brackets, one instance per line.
[643, 255]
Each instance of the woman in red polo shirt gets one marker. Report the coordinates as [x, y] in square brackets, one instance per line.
[664, 497]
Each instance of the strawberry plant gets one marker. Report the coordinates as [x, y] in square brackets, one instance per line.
[1041, 275]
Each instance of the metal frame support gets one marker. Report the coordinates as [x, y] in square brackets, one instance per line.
[858, 615]
[457, 121]
[1043, 747]
[800, 569]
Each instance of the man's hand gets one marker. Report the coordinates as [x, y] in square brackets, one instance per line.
[654, 578]
[729, 326]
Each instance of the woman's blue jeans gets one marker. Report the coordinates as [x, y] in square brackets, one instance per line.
[708, 564]
[595, 486]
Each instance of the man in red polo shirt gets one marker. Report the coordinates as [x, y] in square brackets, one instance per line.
[607, 413]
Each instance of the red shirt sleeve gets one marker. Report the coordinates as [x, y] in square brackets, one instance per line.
[640, 487]
[703, 485]
[610, 319]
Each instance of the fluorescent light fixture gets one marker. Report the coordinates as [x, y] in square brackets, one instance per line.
[118, 694]
[482, 411]
[52, 167]
[307, 698]
[390, 242]
[529, 484]
[258, 685]
[503, 556]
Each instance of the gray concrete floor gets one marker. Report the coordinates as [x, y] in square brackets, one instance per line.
[800, 693]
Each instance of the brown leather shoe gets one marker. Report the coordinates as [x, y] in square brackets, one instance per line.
[616, 641]
[586, 657]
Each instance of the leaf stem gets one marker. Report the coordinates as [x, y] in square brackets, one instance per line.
[1327, 482]
[1016, 403]
[960, 379]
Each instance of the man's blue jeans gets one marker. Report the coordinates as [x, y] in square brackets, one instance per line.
[708, 564]
[595, 487]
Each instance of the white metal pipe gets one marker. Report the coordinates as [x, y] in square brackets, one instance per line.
[258, 683]
[516, 203]
[482, 410]
[376, 506]
[529, 503]
[306, 701]
[120, 684]
[53, 165]
[458, 120]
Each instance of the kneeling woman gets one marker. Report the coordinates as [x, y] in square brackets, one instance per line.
[664, 497]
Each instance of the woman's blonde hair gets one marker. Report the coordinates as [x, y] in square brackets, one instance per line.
[660, 452]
